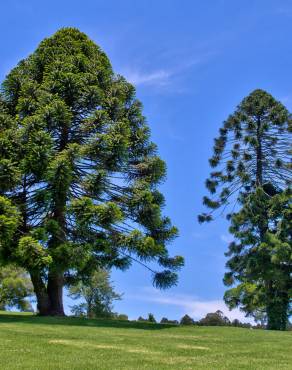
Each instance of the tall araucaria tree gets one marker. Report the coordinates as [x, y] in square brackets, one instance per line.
[78, 168]
[252, 158]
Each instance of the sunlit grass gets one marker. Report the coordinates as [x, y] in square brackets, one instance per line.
[30, 342]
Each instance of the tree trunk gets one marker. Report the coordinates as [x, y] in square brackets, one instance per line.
[277, 310]
[50, 295]
[259, 155]
[43, 301]
[55, 292]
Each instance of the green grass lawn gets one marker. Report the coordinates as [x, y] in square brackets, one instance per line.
[35, 343]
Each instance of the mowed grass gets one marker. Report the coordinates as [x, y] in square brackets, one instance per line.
[30, 342]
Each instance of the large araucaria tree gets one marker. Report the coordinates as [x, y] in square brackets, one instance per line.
[78, 172]
[252, 177]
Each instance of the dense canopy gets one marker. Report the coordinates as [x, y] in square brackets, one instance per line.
[78, 167]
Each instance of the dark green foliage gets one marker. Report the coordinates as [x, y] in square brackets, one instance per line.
[140, 318]
[252, 149]
[165, 320]
[151, 318]
[186, 320]
[260, 262]
[78, 163]
[121, 316]
[252, 157]
[97, 293]
[15, 288]
[215, 319]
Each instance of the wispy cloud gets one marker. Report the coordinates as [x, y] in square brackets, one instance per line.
[162, 76]
[191, 305]
[158, 78]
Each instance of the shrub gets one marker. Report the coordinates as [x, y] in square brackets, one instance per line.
[186, 320]
[215, 319]
[165, 320]
[151, 317]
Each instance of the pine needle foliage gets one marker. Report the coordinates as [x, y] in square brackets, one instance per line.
[78, 164]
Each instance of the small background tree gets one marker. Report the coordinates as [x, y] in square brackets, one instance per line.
[215, 319]
[151, 318]
[15, 289]
[186, 320]
[97, 292]
[165, 320]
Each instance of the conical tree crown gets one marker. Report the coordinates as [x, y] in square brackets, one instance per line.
[80, 163]
[252, 150]
[67, 64]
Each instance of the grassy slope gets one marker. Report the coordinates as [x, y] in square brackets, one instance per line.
[36, 343]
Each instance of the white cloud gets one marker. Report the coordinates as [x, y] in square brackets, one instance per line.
[161, 77]
[158, 78]
[191, 305]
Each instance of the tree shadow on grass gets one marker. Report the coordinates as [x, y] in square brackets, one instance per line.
[76, 321]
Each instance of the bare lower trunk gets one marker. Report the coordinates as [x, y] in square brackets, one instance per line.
[50, 297]
[55, 292]
[43, 301]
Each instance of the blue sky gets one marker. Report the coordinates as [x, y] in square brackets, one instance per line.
[192, 62]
